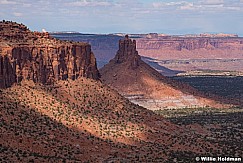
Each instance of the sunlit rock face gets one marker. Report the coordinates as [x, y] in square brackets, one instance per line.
[127, 52]
[38, 57]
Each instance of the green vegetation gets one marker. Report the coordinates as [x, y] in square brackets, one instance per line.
[230, 87]
[206, 111]
[223, 127]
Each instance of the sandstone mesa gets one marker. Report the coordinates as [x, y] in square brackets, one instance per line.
[41, 58]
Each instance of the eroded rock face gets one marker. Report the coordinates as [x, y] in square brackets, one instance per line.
[169, 47]
[127, 52]
[38, 57]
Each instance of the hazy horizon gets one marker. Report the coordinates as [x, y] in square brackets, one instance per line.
[174, 17]
[170, 34]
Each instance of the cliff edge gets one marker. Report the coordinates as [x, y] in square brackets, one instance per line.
[37, 56]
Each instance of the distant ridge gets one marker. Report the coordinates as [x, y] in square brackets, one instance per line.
[63, 32]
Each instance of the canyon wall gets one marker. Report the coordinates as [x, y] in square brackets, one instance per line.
[169, 47]
[103, 46]
[38, 57]
[127, 52]
[189, 54]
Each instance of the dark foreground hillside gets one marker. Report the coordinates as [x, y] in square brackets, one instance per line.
[82, 120]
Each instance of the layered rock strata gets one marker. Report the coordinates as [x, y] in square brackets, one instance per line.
[127, 52]
[38, 57]
[169, 47]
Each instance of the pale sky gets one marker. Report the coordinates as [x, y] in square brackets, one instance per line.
[127, 16]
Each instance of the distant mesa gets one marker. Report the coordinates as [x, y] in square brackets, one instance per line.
[39, 57]
[162, 35]
[194, 52]
[64, 32]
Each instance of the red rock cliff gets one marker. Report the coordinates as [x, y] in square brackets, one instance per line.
[38, 57]
[127, 52]
[190, 47]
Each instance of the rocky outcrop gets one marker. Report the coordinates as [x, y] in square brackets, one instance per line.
[103, 46]
[38, 57]
[127, 52]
